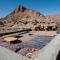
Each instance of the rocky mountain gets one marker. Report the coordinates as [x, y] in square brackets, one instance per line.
[22, 17]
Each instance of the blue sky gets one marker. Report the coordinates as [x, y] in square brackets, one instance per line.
[46, 7]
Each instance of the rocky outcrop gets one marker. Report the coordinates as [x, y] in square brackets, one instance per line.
[56, 19]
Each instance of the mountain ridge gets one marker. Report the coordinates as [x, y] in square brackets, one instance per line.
[23, 17]
[21, 14]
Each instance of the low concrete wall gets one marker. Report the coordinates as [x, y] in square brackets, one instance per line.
[6, 54]
[50, 51]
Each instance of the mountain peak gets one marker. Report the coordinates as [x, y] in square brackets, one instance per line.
[20, 8]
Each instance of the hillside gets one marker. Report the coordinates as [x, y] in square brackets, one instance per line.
[55, 18]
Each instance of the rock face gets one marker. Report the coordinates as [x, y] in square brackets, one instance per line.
[22, 18]
[55, 18]
[20, 8]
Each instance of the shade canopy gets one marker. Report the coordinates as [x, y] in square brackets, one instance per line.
[8, 39]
